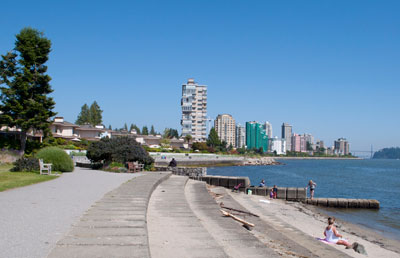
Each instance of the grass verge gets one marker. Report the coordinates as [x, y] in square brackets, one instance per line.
[9, 180]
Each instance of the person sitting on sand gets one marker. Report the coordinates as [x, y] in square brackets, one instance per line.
[332, 236]
[262, 183]
[312, 186]
[275, 191]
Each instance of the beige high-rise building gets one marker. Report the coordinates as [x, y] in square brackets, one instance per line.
[194, 110]
[226, 129]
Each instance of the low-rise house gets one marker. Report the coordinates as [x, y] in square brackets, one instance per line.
[63, 129]
[89, 132]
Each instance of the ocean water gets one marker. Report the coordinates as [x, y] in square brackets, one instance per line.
[360, 179]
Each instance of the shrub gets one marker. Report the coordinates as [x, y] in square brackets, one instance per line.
[80, 154]
[59, 158]
[119, 149]
[24, 164]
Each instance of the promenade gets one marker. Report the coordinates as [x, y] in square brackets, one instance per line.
[152, 214]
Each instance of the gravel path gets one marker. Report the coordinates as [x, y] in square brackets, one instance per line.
[35, 217]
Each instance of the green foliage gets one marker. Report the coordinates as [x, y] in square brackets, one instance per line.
[59, 158]
[213, 139]
[96, 117]
[119, 149]
[78, 154]
[24, 164]
[170, 133]
[133, 126]
[90, 115]
[152, 131]
[388, 153]
[24, 101]
[200, 146]
[125, 127]
[145, 130]
[83, 116]
[116, 164]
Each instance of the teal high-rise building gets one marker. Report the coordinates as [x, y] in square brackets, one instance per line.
[256, 136]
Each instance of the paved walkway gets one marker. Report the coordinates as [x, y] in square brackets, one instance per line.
[115, 226]
[174, 230]
[35, 217]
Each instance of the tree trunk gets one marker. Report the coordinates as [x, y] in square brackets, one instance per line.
[23, 142]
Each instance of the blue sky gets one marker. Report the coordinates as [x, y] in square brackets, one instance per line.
[329, 68]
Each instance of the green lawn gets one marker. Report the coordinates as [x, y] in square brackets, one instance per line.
[10, 180]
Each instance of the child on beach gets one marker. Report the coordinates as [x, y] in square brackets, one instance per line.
[275, 191]
[271, 194]
[312, 186]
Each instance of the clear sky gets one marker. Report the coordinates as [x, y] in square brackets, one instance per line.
[329, 68]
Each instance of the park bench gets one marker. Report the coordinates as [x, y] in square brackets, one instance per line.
[134, 167]
[44, 167]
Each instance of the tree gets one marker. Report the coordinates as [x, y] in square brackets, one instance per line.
[96, 117]
[134, 127]
[109, 127]
[213, 139]
[145, 130]
[84, 115]
[188, 137]
[125, 127]
[152, 131]
[309, 146]
[24, 102]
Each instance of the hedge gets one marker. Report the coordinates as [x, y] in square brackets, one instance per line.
[59, 158]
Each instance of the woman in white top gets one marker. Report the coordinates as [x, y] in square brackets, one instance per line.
[332, 236]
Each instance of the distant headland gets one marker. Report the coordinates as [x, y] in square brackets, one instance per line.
[388, 153]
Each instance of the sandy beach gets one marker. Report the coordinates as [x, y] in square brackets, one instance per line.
[311, 222]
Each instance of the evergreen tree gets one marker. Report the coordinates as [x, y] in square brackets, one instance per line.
[96, 117]
[109, 127]
[145, 130]
[131, 127]
[84, 115]
[125, 127]
[24, 102]
[152, 131]
[213, 139]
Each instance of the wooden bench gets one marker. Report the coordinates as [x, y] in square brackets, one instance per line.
[134, 167]
[44, 167]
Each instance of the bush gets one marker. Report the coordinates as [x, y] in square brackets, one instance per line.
[24, 164]
[59, 158]
[119, 149]
[80, 154]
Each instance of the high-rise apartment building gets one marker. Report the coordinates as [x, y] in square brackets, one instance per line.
[342, 147]
[240, 136]
[299, 143]
[225, 127]
[287, 135]
[194, 110]
[278, 146]
[268, 129]
[256, 136]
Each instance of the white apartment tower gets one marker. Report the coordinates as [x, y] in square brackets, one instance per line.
[240, 136]
[194, 110]
[268, 129]
[225, 127]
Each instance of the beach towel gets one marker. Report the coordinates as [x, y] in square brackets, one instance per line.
[324, 241]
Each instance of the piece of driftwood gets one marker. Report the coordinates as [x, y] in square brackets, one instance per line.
[248, 224]
[232, 209]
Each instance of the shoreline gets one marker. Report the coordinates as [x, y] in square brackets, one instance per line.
[311, 221]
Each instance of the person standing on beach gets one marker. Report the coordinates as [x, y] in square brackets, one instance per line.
[275, 191]
[312, 186]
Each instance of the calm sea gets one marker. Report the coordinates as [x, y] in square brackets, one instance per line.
[360, 179]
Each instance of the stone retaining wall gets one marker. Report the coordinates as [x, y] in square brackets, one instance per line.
[344, 203]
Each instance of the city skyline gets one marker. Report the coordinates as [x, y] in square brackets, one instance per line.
[327, 68]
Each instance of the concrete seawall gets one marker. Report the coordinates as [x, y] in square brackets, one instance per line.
[287, 193]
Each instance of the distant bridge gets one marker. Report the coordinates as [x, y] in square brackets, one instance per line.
[364, 153]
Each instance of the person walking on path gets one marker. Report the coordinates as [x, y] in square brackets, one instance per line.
[312, 186]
